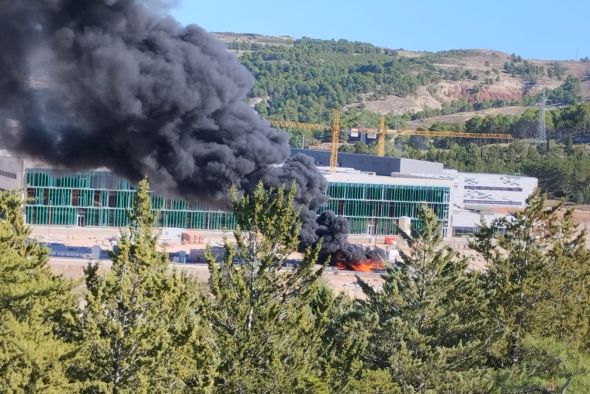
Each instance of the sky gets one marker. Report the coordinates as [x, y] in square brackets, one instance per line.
[538, 29]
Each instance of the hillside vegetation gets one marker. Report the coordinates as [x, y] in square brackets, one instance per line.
[302, 79]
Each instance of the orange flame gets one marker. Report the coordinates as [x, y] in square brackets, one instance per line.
[364, 265]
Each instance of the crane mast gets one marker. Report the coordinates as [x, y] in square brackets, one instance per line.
[335, 139]
[381, 138]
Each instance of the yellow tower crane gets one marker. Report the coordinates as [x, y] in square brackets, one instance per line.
[381, 134]
[287, 124]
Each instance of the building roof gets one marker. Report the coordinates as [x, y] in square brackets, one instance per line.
[348, 175]
[384, 166]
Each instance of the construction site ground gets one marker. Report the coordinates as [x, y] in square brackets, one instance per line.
[340, 281]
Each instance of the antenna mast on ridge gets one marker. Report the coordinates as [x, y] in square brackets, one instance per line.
[542, 141]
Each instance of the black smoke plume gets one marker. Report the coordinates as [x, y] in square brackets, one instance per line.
[132, 91]
[112, 83]
[333, 230]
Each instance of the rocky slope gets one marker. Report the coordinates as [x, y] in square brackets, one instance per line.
[474, 75]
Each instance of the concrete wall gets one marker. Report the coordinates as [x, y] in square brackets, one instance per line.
[367, 163]
[492, 191]
[411, 166]
[11, 172]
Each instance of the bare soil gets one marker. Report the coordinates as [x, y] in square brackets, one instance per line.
[582, 219]
[463, 116]
[486, 65]
[340, 281]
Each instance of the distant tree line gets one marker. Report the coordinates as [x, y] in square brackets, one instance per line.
[531, 72]
[573, 119]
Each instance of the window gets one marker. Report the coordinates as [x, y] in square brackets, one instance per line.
[498, 188]
[76, 197]
[8, 174]
[492, 202]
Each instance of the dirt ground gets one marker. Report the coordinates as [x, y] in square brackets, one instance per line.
[582, 219]
[106, 237]
[340, 281]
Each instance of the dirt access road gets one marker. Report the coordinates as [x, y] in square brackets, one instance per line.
[340, 281]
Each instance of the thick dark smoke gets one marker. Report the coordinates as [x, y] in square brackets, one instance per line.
[93, 83]
[334, 231]
[310, 190]
[132, 91]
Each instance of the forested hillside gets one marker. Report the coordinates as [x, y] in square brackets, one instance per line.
[303, 79]
[307, 79]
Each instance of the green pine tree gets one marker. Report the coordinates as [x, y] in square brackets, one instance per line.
[142, 327]
[34, 305]
[431, 333]
[563, 312]
[374, 382]
[344, 337]
[538, 276]
[569, 144]
[260, 311]
[547, 366]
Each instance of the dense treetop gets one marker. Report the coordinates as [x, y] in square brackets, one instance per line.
[260, 326]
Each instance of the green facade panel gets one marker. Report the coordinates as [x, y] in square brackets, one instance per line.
[102, 199]
[376, 209]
